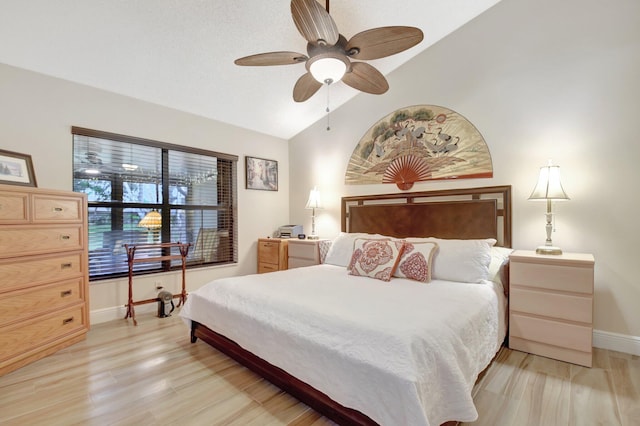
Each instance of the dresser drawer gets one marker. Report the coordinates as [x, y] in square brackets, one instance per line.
[21, 305]
[571, 336]
[566, 278]
[56, 209]
[18, 241]
[19, 339]
[14, 208]
[36, 270]
[572, 307]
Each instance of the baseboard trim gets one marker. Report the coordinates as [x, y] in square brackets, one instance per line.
[616, 342]
[99, 316]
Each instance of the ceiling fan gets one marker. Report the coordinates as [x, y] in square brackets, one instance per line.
[330, 53]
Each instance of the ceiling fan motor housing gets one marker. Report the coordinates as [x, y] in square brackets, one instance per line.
[330, 53]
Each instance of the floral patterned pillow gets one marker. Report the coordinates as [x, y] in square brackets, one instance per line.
[375, 258]
[415, 262]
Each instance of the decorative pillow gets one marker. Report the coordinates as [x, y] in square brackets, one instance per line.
[324, 246]
[341, 249]
[357, 247]
[460, 260]
[375, 258]
[416, 261]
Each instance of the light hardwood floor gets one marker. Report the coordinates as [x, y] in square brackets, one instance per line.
[152, 375]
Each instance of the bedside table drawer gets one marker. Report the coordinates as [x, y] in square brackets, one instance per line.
[570, 336]
[295, 262]
[303, 250]
[555, 277]
[570, 307]
[268, 252]
[267, 267]
[550, 351]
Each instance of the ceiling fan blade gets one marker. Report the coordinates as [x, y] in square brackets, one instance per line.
[272, 58]
[366, 78]
[314, 22]
[384, 41]
[305, 87]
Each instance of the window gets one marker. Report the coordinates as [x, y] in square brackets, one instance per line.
[191, 192]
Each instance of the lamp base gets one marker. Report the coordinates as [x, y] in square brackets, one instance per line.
[312, 237]
[549, 250]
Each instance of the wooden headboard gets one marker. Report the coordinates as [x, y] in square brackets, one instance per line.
[450, 213]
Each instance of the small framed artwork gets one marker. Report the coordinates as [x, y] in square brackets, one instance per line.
[16, 169]
[261, 174]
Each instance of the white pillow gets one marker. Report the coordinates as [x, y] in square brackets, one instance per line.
[499, 256]
[341, 249]
[460, 260]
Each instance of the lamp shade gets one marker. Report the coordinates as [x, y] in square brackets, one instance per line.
[328, 69]
[549, 186]
[314, 201]
[152, 220]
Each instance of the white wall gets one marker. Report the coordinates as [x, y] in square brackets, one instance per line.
[36, 115]
[539, 79]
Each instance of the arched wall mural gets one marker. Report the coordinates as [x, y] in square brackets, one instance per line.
[419, 143]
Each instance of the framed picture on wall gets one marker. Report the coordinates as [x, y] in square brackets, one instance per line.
[261, 174]
[16, 169]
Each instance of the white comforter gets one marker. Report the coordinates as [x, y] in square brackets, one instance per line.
[402, 352]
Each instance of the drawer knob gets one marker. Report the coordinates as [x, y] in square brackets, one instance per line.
[58, 209]
[65, 237]
[66, 265]
[67, 321]
[65, 293]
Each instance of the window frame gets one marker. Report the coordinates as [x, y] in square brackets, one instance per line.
[163, 205]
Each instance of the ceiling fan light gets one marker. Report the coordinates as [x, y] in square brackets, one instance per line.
[328, 70]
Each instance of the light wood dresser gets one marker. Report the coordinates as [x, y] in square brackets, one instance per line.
[272, 254]
[44, 273]
[305, 252]
[551, 305]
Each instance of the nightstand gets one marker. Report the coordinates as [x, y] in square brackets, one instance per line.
[272, 254]
[305, 252]
[551, 305]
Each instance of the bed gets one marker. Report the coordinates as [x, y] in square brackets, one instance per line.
[362, 350]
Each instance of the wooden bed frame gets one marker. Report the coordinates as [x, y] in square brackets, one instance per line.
[453, 213]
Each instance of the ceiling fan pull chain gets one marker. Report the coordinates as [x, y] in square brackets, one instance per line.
[328, 110]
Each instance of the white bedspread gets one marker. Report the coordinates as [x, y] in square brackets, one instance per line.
[402, 352]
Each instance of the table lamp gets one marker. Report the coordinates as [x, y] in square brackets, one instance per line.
[549, 188]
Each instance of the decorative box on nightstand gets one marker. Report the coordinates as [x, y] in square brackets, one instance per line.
[305, 252]
[551, 305]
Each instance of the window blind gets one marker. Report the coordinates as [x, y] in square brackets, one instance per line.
[191, 192]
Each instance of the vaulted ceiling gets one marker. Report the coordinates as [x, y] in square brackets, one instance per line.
[180, 53]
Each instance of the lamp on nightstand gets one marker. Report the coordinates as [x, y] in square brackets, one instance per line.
[549, 188]
[313, 203]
